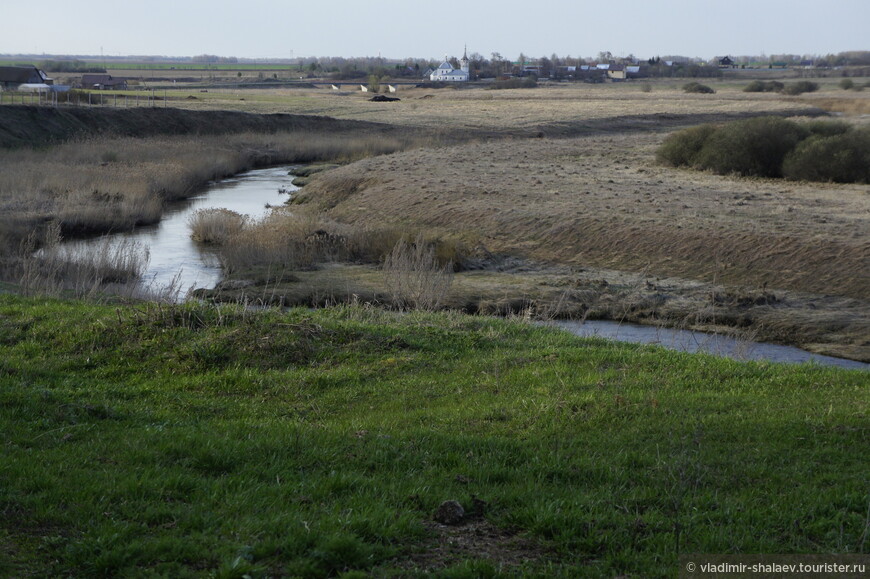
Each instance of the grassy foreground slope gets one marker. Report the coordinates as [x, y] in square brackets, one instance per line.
[198, 440]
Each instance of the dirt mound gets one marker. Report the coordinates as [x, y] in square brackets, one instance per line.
[384, 99]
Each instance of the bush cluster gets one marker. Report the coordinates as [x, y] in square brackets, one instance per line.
[800, 87]
[696, 87]
[764, 86]
[842, 158]
[525, 82]
[774, 147]
[796, 88]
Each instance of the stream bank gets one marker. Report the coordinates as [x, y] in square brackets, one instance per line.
[513, 287]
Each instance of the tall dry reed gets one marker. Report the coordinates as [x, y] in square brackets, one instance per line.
[216, 225]
[413, 276]
[114, 266]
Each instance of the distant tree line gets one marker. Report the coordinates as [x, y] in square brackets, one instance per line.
[497, 66]
[214, 59]
[69, 66]
[848, 58]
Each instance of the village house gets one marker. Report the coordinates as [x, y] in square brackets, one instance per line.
[616, 72]
[446, 72]
[103, 82]
[13, 77]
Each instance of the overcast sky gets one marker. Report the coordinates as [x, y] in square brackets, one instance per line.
[399, 29]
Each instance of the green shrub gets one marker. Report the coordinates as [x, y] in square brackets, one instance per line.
[842, 158]
[773, 86]
[800, 87]
[827, 128]
[682, 148]
[753, 147]
[774, 147]
[847, 83]
[764, 86]
[374, 83]
[696, 87]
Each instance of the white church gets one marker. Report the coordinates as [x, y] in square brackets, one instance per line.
[447, 73]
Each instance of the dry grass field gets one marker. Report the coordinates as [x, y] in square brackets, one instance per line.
[561, 182]
[554, 109]
[594, 200]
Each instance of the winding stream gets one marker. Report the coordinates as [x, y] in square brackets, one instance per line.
[176, 261]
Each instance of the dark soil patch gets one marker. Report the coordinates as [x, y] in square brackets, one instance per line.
[384, 99]
[476, 539]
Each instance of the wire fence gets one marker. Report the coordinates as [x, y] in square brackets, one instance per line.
[83, 99]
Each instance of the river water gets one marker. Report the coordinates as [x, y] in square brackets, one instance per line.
[178, 262]
[689, 341]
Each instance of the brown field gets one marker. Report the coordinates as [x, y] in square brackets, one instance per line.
[601, 203]
[557, 198]
[588, 205]
[502, 111]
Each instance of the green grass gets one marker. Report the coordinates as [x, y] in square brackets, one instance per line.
[193, 440]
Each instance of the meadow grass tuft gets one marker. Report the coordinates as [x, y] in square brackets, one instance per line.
[196, 440]
[47, 267]
[215, 226]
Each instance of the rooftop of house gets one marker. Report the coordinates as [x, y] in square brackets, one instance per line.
[20, 74]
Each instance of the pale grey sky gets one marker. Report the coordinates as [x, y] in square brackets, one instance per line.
[399, 29]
